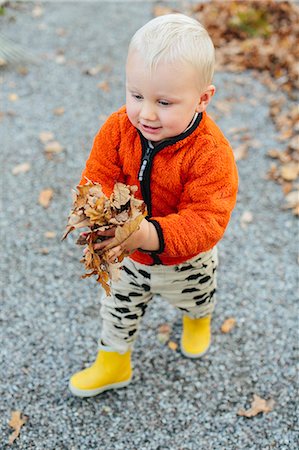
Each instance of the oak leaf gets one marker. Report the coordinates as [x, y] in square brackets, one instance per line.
[228, 325]
[16, 422]
[258, 405]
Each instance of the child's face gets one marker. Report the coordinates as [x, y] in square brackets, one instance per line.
[161, 104]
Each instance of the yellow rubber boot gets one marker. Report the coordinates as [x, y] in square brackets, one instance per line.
[111, 370]
[196, 336]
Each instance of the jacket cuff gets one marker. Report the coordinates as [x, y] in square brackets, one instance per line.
[160, 236]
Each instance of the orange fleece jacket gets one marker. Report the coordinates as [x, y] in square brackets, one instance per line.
[193, 184]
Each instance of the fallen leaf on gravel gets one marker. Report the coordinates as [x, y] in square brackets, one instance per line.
[44, 250]
[164, 333]
[290, 171]
[45, 197]
[246, 218]
[104, 85]
[228, 325]
[23, 71]
[16, 422]
[292, 200]
[172, 345]
[21, 168]
[37, 11]
[287, 187]
[13, 97]
[59, 111]
[46, 136]
[258, 405]
[50, 234]
[53, 147]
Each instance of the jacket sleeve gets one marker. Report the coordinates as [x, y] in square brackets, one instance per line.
[205, 206]
[103, 165]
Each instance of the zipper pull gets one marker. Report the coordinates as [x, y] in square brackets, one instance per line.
[145, 161]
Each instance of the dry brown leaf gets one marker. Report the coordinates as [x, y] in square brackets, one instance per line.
[172, 345]
[37, 11]
[16, 422]
[23, 71]
[163, 334]
[59, 111]
[53, 147]
[290, 171]
[104, 85]
[45, 197]
[46, 136]
[21, 168]
[13, 97]
[50, 234]
[44, 250]
[258, 405]
[292, 200]
[228, 325]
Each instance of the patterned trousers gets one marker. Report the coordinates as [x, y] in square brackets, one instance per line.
[189, 286]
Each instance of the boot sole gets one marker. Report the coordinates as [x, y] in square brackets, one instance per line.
[93, 392]
[194, 355]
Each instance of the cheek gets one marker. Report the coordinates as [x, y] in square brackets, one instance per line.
[132, 110]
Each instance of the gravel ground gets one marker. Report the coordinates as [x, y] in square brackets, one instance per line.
[49, 316]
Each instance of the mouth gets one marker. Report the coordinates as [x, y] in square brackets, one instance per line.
[149, 129]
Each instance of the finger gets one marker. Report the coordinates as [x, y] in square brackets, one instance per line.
[109, 232]
[101, 245]
[114, 254]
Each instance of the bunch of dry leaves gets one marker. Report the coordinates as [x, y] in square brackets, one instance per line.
[96, 212]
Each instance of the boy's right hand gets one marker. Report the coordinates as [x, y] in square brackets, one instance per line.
[108, 236]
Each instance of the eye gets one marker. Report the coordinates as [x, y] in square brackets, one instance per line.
[164, 103]
[137, 96]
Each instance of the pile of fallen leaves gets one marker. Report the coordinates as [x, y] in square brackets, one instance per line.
[255, 35]
[96, 212]
[264, 36]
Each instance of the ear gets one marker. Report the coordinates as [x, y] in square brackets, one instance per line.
[205, 98]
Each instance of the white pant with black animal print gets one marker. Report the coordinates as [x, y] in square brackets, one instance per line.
[189, 286]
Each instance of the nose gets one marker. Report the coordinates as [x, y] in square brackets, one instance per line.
[148, 112]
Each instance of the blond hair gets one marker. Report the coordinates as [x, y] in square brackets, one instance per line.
[176, 37]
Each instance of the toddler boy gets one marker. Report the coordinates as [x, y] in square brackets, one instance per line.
[164, 142]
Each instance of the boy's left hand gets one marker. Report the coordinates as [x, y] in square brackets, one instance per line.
[145, 237]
